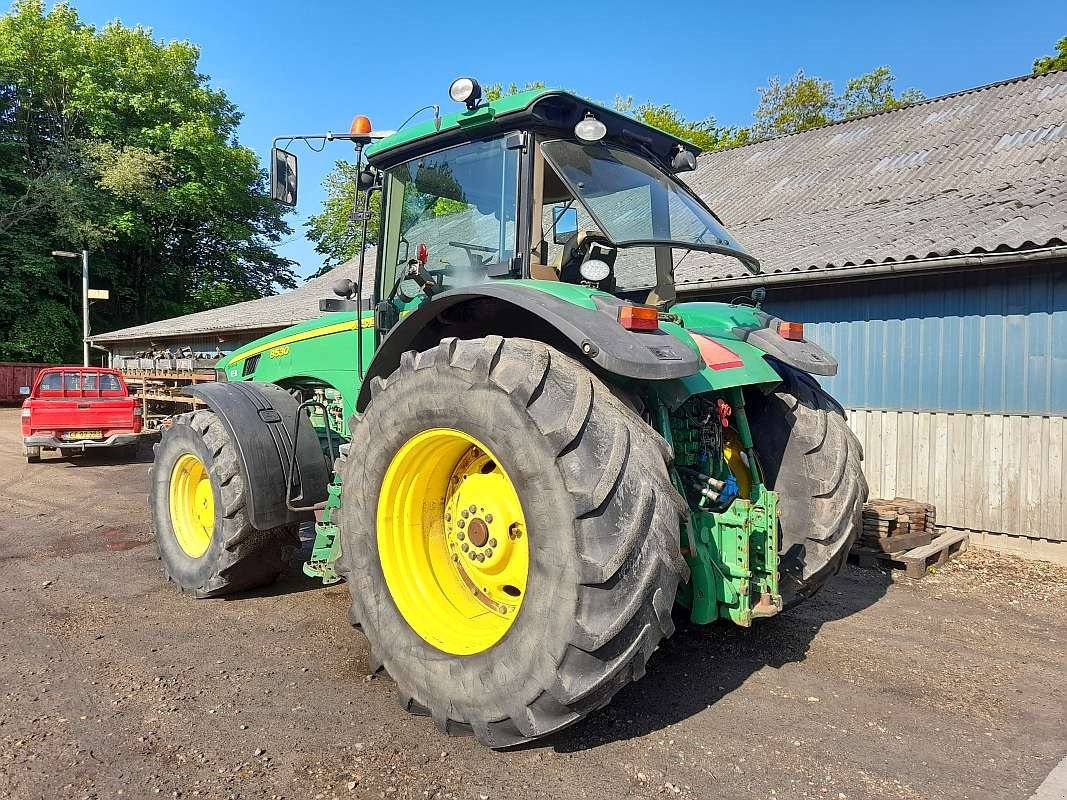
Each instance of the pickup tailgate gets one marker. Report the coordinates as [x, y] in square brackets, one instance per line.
[82, 414]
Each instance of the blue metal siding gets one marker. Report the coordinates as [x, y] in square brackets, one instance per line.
[992, 341]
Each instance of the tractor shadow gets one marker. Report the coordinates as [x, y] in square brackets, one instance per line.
[698, 666]
[293, 580]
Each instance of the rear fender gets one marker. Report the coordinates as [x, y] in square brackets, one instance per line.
[261, 419]
[585, 325]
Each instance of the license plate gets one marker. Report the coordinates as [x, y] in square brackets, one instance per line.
[75, 435]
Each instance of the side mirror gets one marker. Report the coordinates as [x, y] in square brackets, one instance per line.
[283, 176]
[365, 179]
[566, 223]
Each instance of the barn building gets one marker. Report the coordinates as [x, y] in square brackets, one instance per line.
[924, 247]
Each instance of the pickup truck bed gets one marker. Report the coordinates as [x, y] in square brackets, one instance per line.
[72, 409]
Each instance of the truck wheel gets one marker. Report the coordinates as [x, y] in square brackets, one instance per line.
[812, 459]
[33, 455]
[510, 537]
[197, 501]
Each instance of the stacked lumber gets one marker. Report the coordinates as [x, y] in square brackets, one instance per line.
[901, 534]
[892, 526]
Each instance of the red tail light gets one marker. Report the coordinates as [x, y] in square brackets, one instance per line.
[639, 318]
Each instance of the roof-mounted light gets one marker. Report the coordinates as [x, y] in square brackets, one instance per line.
[467, 91]
[590, 129]
[360, 125]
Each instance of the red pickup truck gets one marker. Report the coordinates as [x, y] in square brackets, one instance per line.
[71, 409]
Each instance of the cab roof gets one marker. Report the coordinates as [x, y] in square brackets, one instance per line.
[552, 111]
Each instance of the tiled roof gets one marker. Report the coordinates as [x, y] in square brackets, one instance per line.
[978, 171]
[276, 311]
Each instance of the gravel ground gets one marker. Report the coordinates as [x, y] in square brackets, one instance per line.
[114, 684]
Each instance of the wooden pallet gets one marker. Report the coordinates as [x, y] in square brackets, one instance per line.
[917, 560]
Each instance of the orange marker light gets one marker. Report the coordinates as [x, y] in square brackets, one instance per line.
[360, 125]
[793, 331]
[639, 318]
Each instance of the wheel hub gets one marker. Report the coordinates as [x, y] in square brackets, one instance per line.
[192, 505]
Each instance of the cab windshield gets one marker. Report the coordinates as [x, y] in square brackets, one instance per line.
[635, 203]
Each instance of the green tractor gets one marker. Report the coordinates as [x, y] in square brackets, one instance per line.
[522, 453]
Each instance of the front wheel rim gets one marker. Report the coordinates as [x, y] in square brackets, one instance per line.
[192, 505]
[452, 541]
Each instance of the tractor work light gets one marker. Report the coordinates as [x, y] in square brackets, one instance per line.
[639, 318]
[466, 91]
[360, 125]
[590, 129]
[793, 331]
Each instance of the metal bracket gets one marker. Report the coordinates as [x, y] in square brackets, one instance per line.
[290, 498]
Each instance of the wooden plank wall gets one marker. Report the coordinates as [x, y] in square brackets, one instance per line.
[984, 472]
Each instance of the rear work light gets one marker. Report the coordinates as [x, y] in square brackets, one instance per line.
[793, 331]
[639, 318]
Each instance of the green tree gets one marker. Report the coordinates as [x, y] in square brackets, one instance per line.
[495, 91]
[704, 133]
[335, 230]
[1047, 64]
[800, 103]
[873, 91]
[115, 142]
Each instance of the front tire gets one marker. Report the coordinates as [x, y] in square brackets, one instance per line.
[599, 514]
[198, 507]
[812, 459]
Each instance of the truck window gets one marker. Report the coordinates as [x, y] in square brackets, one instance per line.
[51, 382]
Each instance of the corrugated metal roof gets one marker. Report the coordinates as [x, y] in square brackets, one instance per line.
[276, 311]
[978, 171]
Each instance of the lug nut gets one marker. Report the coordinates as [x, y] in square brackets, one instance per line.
[461, 536]
[465, 547]
[489, 553]
[461, 523]
[448, 517]
[472, 508]
[455, 557]
[481, 558]
[488, 517]
[514, 532]
[464, 513]
[492, 542]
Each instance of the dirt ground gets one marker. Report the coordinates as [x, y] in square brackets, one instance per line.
[114, 684]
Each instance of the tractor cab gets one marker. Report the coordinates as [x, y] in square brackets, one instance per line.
[540, 185]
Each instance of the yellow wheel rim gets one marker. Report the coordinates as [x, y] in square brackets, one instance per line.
[452, 541]
[192, 505]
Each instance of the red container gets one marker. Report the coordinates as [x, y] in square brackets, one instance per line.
[14, 376]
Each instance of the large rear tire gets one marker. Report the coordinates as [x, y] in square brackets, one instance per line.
[812, 459]
[198, 505]
[598, 527]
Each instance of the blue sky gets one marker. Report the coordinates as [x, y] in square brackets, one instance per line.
[308, 67]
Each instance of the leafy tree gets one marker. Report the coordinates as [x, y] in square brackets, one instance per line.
[798, 104]
[873, 91]
[1047, 64]
[495, 91]
[112, 141]
[704, 133]
[334, 230]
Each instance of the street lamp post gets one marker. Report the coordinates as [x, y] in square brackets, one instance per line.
[85, 298]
